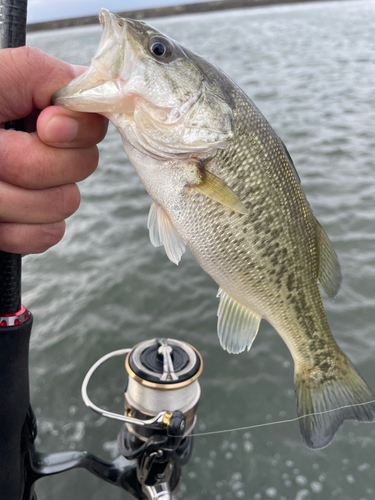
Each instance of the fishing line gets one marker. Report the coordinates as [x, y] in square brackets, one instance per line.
[278, 422]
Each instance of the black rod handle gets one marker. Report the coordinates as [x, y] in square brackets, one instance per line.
[14, 395]
[10, 283]
[13, 14]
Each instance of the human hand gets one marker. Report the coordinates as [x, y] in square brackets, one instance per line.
[39, 167]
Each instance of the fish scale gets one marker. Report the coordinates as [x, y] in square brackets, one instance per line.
[259, 230]
[224, 186]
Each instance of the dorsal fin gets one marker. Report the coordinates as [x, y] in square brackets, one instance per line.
[329, 275]
[291, 164]
[163, 232]
[237, 326]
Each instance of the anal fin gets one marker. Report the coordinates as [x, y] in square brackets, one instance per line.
[237, 326]
[163, 232]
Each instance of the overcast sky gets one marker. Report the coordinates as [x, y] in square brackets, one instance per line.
[45, 10]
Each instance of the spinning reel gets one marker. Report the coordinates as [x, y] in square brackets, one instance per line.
[155, 441]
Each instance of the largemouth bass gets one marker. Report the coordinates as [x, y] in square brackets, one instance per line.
[224, 186]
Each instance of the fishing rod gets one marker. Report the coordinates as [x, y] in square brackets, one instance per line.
[161, 399]
[15, 320]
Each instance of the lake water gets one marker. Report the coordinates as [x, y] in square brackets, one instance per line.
[310, 69]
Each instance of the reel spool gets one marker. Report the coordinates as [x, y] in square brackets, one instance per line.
[163, 375]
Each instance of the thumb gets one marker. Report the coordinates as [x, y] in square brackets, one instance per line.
[28, 79]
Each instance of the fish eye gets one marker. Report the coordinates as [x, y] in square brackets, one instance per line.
[160, 47]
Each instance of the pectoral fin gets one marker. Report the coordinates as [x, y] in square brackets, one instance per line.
[214, 188]
[330, 276]
[162, 232]
[237, 326]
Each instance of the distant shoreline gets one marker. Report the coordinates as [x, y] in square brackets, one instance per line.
[170, 10]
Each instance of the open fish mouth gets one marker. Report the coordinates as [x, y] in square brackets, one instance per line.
[102, 87]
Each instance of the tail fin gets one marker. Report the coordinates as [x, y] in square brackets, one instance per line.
[319, 397]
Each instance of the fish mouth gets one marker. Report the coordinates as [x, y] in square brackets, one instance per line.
[100, 89]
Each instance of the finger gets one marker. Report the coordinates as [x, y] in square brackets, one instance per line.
[24, 92]
[63, 128]
[37, 206]
[30, 238]
[27, 162]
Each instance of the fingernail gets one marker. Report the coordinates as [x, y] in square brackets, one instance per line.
[61, 129]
